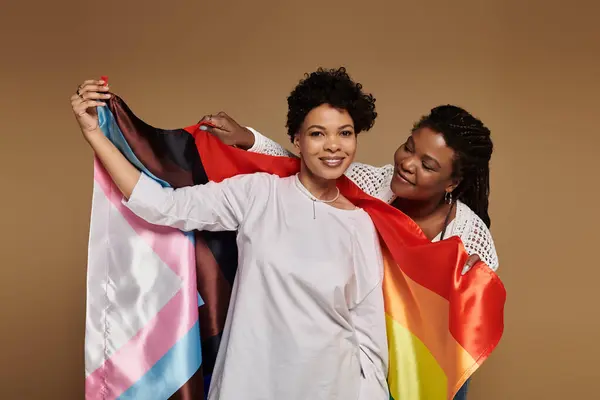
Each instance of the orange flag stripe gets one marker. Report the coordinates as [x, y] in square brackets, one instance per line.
[425, 315]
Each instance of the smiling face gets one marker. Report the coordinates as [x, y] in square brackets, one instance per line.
[326, 142]
[424, 167]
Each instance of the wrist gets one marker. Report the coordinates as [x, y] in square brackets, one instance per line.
[247, 140]
[91, 134]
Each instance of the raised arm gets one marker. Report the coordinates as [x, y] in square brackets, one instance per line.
[214, 206]
[211, 207]
[264, 145]
[228, 131]
[374, 181]
[90, 95]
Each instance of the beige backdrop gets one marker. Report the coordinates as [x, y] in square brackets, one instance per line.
[529, 69]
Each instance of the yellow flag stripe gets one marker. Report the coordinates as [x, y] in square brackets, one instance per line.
[414, 373]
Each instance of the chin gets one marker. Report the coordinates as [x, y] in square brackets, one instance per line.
[403, 191]
[328, 173]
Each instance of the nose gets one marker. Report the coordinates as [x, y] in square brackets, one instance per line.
[408, 164]
[332, 144]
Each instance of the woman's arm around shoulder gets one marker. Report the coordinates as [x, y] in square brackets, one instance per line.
[375, 181]
[476, 237]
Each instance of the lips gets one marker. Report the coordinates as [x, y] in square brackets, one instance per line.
[402, 178]
[332, 161]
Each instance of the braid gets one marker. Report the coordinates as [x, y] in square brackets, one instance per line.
[471, 141]
[475, 194]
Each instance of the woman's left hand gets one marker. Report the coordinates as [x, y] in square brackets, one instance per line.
[90, 94]
[471, 261]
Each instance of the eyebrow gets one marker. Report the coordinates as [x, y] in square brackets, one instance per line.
[426, 156]
[323, 128]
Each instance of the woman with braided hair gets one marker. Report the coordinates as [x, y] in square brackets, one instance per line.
[439, 178]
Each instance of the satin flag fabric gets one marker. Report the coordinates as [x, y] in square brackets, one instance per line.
[150, 335]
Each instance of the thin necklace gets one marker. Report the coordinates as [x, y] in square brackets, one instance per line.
[313, 198]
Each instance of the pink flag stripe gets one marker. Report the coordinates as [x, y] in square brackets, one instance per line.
[135, 358]
[165, 241]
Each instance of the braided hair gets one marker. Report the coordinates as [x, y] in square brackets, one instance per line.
[471, 142]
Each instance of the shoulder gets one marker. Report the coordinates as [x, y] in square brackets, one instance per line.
[476, 237]
[363, 223]
[375, 181]
[366, 172]
[256, 177]
[255, 184]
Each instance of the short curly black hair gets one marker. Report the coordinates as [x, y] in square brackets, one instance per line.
[333, 87]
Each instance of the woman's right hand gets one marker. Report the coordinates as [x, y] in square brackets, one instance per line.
[229, 131]
[89, 95]
[471, 261]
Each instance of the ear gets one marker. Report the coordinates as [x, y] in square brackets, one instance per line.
[453, 185]
[297, 142]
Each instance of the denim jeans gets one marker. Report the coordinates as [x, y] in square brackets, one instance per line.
[462, 393]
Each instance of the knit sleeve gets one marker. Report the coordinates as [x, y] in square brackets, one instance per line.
[476, 237]
[375, 181]
[264, 145]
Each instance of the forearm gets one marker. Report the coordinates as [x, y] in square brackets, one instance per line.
[122, 172]
[369, 318]
[263, 145]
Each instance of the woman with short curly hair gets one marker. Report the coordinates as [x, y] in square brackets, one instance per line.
[440, 177]
[306, 316]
